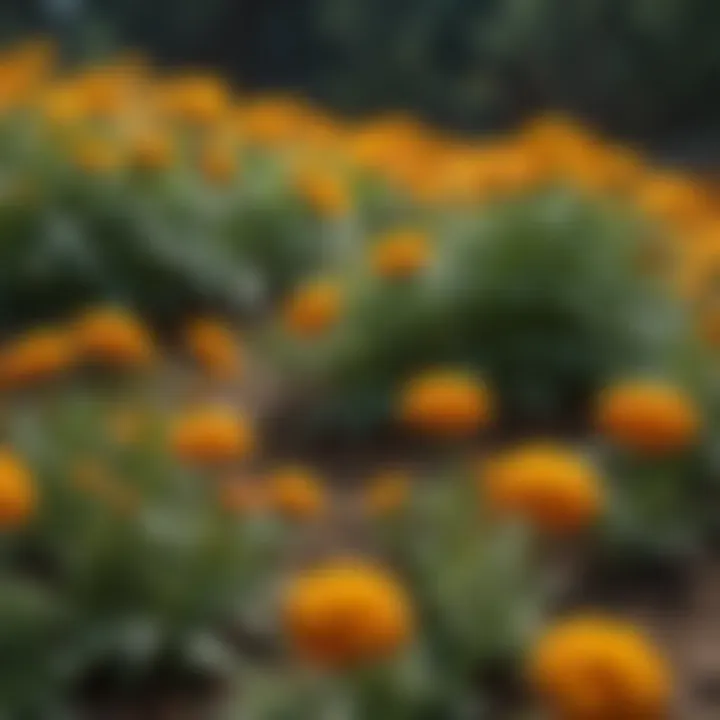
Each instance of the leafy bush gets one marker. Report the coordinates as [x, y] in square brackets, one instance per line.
[545, 297]
[131, 566]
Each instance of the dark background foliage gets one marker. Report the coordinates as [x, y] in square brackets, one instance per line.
[643, 68]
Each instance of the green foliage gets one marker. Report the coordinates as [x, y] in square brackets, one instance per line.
[543, 296]
[167, 244]
[661, 508]
[131, 563]
[635, 65]
[477, 584]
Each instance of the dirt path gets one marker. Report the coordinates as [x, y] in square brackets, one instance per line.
[690, 635]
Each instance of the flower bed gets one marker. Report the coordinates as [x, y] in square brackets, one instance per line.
[533, 316]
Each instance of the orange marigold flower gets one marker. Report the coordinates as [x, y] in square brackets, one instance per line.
[446, 403]
[324, 191]
[594, 668]
[18, 495]
[96, 156]
[37, 356]
[401, 254]
[674, 199]
[200, 100]
[114, 337]
[213, 346]
[387, 493]
[272, 121]
[347, 613]
[61, 106]
[313, 308]
[554, 488]
[212, 434]
[152, 150]
[297, 493]
[649, 417]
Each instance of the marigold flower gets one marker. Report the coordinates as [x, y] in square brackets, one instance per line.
[105, 92]
[200, 100]
[96, 156]
[297, 493]
[594, 668]
[37, 356]
[18, 495]
[213, 346]
[554, 488]
[61, 106]
[387, 493]
[313, 308]
[272, 121]
[114, 337]
[674, 199]
[347, 613]
[446, 403]
[648, 416]
[401, 254]
[211, 434]
[324, 191]
[152, 150]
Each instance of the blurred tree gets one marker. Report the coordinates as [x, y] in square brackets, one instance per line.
[634, 66]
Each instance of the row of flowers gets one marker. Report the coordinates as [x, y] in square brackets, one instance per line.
[98, 160]
[138, 520]
[535, 312]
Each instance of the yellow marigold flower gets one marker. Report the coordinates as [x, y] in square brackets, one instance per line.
[347, 613]
[18, 496]
[105, 92]
[387, 493]
[61, 106]
[211, 434]
[152, 150]
[201, 100]
[674, 199]
[36, 356]
[648, 416]
[698, 267]
[446, 403]
[594, 668]
[401, 254]
[313, 308]
[96, 156]
[325, 191]
[114, 337]
[296, 493]
[555, 489]
[273, 121]
[241, 498]
[213, 346]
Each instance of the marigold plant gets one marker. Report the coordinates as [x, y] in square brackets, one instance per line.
[554, 488]
[345, 613]
[568, 660]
